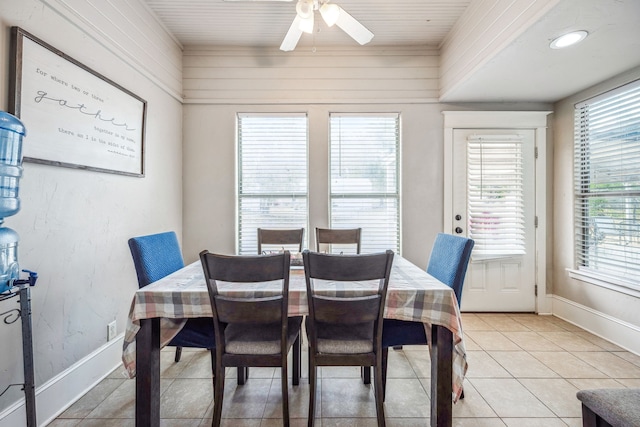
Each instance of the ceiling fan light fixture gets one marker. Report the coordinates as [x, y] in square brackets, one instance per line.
[304, 9]
[330, 13]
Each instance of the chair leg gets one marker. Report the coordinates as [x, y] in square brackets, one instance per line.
[218, 393]
[213, 369]
[312, 392]
[379, 393]
[365, 373]
[285, 393]
[178, 354]
[385, 360]
[243, 374]
[591, 419]
[297, 360]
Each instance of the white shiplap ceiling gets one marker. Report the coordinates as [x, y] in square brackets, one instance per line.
[265, 23]
[524, 70]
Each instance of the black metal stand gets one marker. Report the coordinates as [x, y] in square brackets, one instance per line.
[11, 316]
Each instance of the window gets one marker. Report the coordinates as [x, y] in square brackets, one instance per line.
[607, 185]
[495, 195]
[272, 175]
[364, 178]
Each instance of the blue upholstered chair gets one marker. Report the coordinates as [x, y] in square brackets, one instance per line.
[448, 263]
[156, 256]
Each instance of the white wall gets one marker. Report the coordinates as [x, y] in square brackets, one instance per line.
[483, 30]
[209, 152]
[601, 307]
[74, 224]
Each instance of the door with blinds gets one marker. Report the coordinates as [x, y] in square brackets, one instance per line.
[494, 204]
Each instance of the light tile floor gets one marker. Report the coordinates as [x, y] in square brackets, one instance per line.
[524, 371]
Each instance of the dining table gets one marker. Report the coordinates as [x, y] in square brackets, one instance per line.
[159, 310]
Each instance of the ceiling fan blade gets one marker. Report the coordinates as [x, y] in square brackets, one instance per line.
[293, 35]
[353, 28]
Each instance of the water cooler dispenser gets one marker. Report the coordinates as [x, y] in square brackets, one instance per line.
[12, 131]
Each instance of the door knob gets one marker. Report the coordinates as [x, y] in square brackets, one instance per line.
[458, 217]
[458, 230]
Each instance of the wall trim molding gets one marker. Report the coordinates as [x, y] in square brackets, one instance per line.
[221, 101]
[534, 120]
[619, 332]
[61, 391]
[545, 305]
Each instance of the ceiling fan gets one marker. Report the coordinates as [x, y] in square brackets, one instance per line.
[331, 13]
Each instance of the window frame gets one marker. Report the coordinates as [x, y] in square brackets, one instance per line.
[582, 171]
[395, 195]
[240, 195]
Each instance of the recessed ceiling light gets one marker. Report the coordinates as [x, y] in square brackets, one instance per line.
[568, 39]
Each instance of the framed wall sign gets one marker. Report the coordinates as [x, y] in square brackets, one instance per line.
[74, 117]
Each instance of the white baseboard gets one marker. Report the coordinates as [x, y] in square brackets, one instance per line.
[603, 325]
[61, 391]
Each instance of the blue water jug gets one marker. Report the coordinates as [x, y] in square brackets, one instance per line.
[11, 133]
[9, 268]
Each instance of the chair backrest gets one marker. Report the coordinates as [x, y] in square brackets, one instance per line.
[449, 260]
[272, 308]
[338, 236]
[280, 238]
[155, 256]
[326, 309]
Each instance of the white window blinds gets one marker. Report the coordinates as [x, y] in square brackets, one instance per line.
[607, 184]
[364, 186]
[272, 175]
[495, 195]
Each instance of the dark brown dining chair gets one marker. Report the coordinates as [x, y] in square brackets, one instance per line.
[280, 239]
[325, 239]
[342, 330]
[338, 236]
[251, 330]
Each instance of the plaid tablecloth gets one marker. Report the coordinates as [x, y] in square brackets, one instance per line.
[412, 295]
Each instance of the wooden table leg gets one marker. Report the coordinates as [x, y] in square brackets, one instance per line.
[148, 373]
[441, 376]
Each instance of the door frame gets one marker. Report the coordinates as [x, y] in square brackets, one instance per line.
[536, 120]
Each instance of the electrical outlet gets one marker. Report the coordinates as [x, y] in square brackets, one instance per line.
[111, 330]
